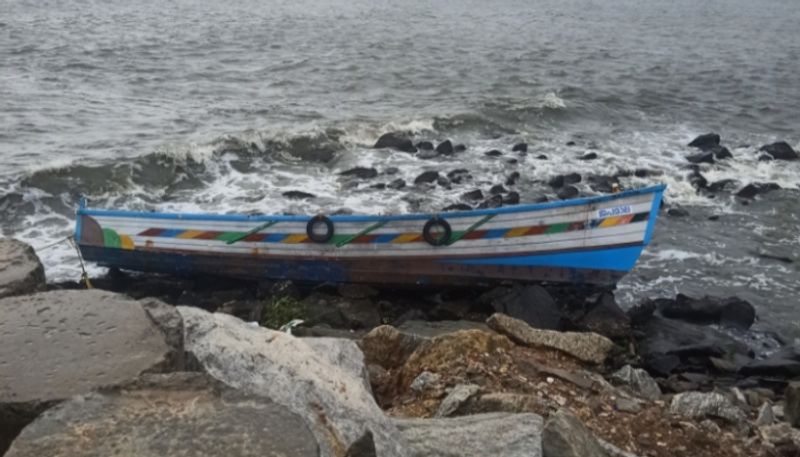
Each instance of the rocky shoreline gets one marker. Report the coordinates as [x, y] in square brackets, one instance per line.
[155, 365]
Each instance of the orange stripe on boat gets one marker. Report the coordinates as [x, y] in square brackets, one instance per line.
[611, 221]
[519, 231]
[295, 239]
[476, 235]
[536, 230]
[189, 234]
[365, 239]
[407, 238]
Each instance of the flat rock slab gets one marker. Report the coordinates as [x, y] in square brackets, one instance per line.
[21, 272]
[180, 414]
[589, 347]
[426, 330]
[57, 344]
[478, 435]
[322, 380]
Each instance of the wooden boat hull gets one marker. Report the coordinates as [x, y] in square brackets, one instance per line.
[593, 240]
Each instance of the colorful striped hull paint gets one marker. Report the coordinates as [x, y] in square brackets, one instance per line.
[590, 240]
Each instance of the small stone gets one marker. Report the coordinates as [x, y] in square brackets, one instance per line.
[427, 177]
[638, 381]
[792, 407]
[493, 153]
[424, 381]
[588, 156]
[457, 396]
[445, 148]
[700, 404]
[765, 415]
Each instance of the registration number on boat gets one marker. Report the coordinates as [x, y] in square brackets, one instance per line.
[614, 211]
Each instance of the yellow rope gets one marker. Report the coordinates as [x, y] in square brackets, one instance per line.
[84, 274]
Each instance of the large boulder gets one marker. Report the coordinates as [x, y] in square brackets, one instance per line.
[589, 347]
[21, 272]
[395, 140]
[606, 318]
[479, 435]
[784, 362]
[175, 414]
[706, 141]
[731, 311]
[565, 435]
[780, 151]
[532, 304]
[54, 345]
[699, 405]
[308, 378]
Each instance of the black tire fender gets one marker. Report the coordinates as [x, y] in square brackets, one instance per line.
[319, 237]
[433, 240]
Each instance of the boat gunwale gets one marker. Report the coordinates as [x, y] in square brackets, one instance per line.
[530, 207]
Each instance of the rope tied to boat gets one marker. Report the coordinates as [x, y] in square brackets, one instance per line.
[70, 239]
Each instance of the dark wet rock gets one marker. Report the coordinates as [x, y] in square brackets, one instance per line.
[21, 272]
[425, 146]
[699, 405]
[565, 435]
[751, 190]
[457, 207]
[730, 311]
[361, 172]
[668, 345]
[473, 195]
[512, 198]
[703, 157]
[391, 171]
[57, 344]
[641, 172]
[315, 378]
[458, 176]
[721, 153]
[542, 199]
[773, 256]
[572, 178]
[427, 177]
[780, 151]
[498, 189]
[783, 363]
[493, 153]
[588, 346]
[512, 178]
[556, 182]
[697, 180]
[356, 291]
[459, 148]
[603, 184]
[606, 318]
[677, 212]
[571, 143]
[398, 183]
[298, 195]
[395, 140]
[441, 181]
[567, 192]
[722, 185]
[532, 304]
[520, 147]
[495, 201]
[512, 161]
[792, 407]
[379, 186]
[477, 435]
[445, 148]
[707, 141]
[541, 157]
[640, 313]
[637, 381]
[339, 312]
[588, 156]
[160, 415]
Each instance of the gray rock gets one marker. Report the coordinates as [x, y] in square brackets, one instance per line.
[54, 345]
[21, 272]
[701, 404]
[504, 402]
[180, 414]
[637, 381]
[531, 304]
[479, 435]
[614, 451]
[424, 380]
[589, 347]
[457, 396]
[328, 395]
[169, 321]
[792, 408]
[765, 415]
[363, 447]
[565, 435]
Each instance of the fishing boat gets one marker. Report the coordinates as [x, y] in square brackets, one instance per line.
[593, 240]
